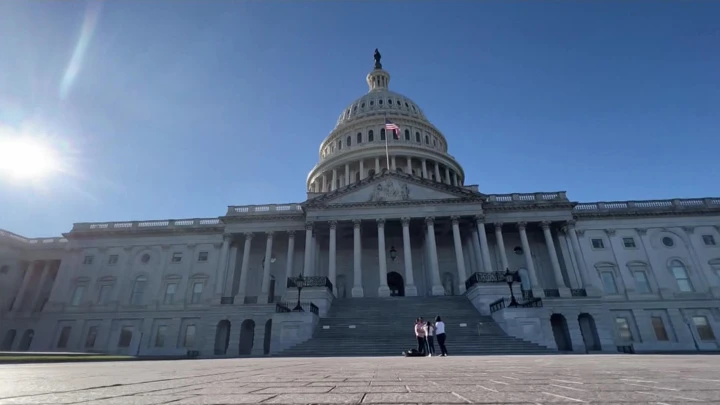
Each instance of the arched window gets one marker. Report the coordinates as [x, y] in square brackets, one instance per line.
[371, 136]
[407, 134]
[681, 276]
[427, 140]
[382, 134]
[380, 102]
[340, 144]
[349, 141]
[417, 137]
[138, 290]
[359, 138]
[607, 276]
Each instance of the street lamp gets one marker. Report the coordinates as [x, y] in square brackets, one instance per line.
[299, 283]
[509, 279]
[393, 253]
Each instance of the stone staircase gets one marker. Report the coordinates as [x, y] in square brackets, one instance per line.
[384, 327]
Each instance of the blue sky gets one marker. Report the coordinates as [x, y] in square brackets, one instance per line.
[176, 109]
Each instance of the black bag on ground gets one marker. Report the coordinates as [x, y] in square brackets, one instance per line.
[412, 353]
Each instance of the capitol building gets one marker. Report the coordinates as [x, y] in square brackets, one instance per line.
[390, 217]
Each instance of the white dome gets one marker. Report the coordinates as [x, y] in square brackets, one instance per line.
[380, 101]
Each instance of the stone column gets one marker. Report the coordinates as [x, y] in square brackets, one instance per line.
[501, 246]
[43, 279]
[308, 248]
[23, 288]
[334, 184]
[409, 165]
[475, 243]
[410, 288]
[315, 268]
[377, 166]
[455, 179]
[437, 172]
[267, 262]
[240, 297]
[290, 255]
[564, 291]
[362, 169]
[347, 174]
[437, 287]
[383, 289]
[332, 254]
[424, 169]
[447, 175]
[392, 163]
[357, 290]
[537, 291]
[230, 273]
[484, 248]
[221, 272]
[584, 279]
[462, 274]
[324, 183]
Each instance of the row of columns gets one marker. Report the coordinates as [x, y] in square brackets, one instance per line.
[20, 297]
[325, 184]
[480, 254]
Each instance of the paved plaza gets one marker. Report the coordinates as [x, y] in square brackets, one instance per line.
[602, 379]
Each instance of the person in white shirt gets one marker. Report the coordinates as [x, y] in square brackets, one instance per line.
[440, 334]
[429, 332]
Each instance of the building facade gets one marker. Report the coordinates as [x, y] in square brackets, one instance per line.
[375, 224]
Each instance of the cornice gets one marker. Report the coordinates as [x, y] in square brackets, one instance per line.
[82, 234]
[636, 214]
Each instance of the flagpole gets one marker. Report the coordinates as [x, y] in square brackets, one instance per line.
[387, 153]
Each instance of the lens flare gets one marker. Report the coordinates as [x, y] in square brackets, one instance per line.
[27, 156]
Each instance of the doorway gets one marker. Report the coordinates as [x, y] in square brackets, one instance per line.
[396, 283]
[561, 333]
[589, 333]
[247, 337]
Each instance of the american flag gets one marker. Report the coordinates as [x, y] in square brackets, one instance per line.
[392, 127]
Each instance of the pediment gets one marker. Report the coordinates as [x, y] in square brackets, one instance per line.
[393, 188]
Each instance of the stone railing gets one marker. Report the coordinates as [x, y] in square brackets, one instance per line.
[34, 242]
[309, 282]
[490, 277]
[528, 197]
[146, 225]
[674, 205]
[269, 209]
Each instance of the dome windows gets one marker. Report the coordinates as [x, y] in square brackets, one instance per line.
[390, 102]
[372, 103]
[379, 102]
[348, 141]
[359, 137]
[382, 134]
[417, 137]
[406, 105]
[427, 140]
[371, 136]
[355, 107]
[362, 105]
[668, 241]
[398, 102]
[407, 134]
[414, 109]
[340, 144]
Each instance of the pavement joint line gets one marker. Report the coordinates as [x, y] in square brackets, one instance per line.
[638, 381]
[486, 388]
[567, 388]
[566, 381]
[564, 397]
[500, 382]
[650, 386]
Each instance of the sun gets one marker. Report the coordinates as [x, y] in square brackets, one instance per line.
[27, 158]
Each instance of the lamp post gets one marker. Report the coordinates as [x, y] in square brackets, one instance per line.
[299, 283]
[509, 279]
[393, 253]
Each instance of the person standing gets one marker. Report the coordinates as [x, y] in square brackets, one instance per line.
[440, 333]
[429, 332]
[420, 335]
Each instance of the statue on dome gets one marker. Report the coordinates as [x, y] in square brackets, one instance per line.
[377, 55]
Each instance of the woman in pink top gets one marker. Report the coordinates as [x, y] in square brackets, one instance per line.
[420, 335]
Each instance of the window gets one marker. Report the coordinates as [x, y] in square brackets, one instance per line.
[189, 340]
[417, 137]
[372, 102]
[197, 291]
[407, 134]
[77, 295]
[382, 134]
[668, 241]
[145, 258]
[641, 281]
[608, 280]
[362, 105]
[623, 328]
[160, 336]
[203, 256]
[176, 257]
[629, 243]
[170, 293]
[434, 142]
[340, 144]
[138, 290]
[113, 259]
[371, 136]
[681, 276]
[708, 240]
[348, 141]
[91, 336]
[104, 294]
[427, 140]
[64, 337]
[88, 260]
[598, 244]
[359, 138]
[659, 327]
[125, 336]
[703, 328]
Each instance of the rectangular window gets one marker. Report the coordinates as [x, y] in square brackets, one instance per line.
[125, 336]
[104, 294]
[202, 256]
[136, 297]
[709, 240]
[77, 295]
[64, 337]
[177, 257]
[623, 328]
[160, 336]
[608, 282]
[598, 244]
[196, 293]
[88, 260]
[682, 279]
[641, 282]
[659, 327]
[703, 327]
[189, 340]
[629, 243]
[113, 259]
[170, 293]
[91, 336]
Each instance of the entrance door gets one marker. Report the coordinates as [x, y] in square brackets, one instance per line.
[396, 283]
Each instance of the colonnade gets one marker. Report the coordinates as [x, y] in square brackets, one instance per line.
[30, 270]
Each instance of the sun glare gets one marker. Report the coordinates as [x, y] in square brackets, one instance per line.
[26, 158]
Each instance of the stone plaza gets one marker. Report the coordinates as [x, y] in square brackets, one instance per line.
[570, 379]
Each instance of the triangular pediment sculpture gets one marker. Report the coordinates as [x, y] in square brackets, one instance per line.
[393, 188]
